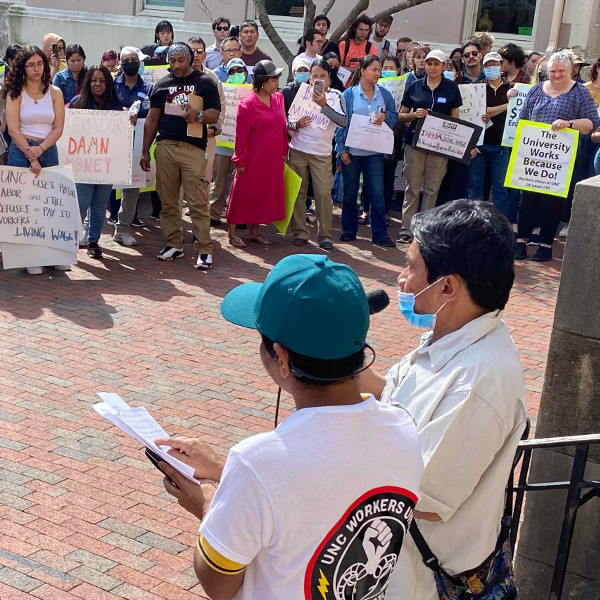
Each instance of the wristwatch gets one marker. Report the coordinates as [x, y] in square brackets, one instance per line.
[200, 116]
[571, 124]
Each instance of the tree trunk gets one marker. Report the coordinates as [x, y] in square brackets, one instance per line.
[341, 29]
[272, 33]
[397, 8]
[310, 10]
[328, 7]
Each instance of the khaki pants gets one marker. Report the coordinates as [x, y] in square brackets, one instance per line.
[319, 168]
[181, 164]
[219, 190]
[421, 167]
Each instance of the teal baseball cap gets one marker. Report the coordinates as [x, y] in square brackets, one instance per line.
[308, 304]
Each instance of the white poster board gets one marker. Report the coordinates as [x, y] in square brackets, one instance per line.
[40, 222]
[474, 105]
[364, 135]
[395, 86]
[303, 106]
[139, 178]
[513, 111]
[234, 94]
[154, 73]
[344, 75]
[99, 146]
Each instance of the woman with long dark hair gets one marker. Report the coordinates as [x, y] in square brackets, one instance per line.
[69, 80]
[97, 93]
[35, 115]
[163, 38]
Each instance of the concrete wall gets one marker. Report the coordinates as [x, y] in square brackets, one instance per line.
[116, 7]
[209, 10]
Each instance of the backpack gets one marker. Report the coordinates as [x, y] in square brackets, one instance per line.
[347, 49]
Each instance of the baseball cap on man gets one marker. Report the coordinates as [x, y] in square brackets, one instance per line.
[266, 68]
[308, 304]
[436, 55]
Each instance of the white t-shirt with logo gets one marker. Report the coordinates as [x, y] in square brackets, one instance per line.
[320, 506]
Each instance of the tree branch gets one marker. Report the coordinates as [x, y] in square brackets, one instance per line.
[271, 32]
[341, 29]
[397, 8]
[310, 10]
[328, 7]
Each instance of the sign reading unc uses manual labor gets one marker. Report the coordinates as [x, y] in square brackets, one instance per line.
[99, 146]
[542, 160]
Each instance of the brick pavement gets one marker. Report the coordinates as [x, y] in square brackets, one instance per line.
[82, 513]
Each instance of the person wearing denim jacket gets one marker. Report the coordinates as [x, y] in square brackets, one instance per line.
[356, 161]
[69, 79]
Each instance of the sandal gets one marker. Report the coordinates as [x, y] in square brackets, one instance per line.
[237, 242]
[363, 219]
[261, 240]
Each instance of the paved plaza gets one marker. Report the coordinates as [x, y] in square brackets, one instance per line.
[83, 514]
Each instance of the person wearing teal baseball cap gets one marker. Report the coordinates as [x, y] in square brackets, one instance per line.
[322, 502]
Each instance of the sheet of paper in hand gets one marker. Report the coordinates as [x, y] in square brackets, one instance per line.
[364, 135]
[139, 424]
[474, 105]
[446, 136]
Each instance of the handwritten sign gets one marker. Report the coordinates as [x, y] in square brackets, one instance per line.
[446, 136]
[99, 145]
[395, 86]
[234, 94]
[344, 75]
[303, 106]
[364, 135]
[140, 179]
[513, 111]
[154, 73]
[474, 105]
[2, 74]
[542, 160]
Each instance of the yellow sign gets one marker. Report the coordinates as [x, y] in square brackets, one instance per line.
[292, 182]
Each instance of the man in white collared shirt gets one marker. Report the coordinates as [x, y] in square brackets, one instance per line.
[463, 387]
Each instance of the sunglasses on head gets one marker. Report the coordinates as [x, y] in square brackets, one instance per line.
[474, 54]
[219, 28]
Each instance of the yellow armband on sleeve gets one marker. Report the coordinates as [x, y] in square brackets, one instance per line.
[217, 562]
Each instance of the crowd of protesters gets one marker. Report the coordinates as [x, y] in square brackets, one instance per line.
[219, 182]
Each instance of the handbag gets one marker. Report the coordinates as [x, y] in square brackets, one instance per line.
[493, 579]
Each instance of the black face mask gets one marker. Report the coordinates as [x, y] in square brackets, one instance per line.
[131, 68]
[334, 72]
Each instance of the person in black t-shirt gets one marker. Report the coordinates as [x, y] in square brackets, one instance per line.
[181, 157]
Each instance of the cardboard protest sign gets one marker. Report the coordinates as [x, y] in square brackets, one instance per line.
[364, 135]
[446, 136]
[303, 106]
[292, 183]
[140, 179]
[40, 212]
[542, 160]
[395, 86]
[152, 74]
[474, 105]
[99, 145]
[513, 111]
[234, 94]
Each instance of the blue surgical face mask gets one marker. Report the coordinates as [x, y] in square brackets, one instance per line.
[386, 74]
[237, 78]
[492, 73]
[302, 77]
[449, 75]
[406, 304]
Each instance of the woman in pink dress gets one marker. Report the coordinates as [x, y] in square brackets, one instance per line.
[261, 144]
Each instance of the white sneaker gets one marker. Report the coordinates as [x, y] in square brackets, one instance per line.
[125, 238]
[62, 267]
[205, 261]
[564, 232]
[34, 270]
[170, 253]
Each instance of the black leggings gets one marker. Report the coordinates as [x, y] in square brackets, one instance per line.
[539, 209]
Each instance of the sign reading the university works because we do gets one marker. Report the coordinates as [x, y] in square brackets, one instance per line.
[99, 146]
[446, 136]
[542, 160]
[234, 94]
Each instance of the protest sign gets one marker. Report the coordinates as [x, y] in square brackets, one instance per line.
[2, 74]
[446, 136]
[344, 75]
[234, 94]
[99, 145]
[292, 183]
[542, 160]
[303, 106]
[474, 105]
[152, 74]
[364, 135]
[39, 216]
[139, 178]
[395, 86]
[515, 104]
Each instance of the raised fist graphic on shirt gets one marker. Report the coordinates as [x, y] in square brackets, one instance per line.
[376, 541]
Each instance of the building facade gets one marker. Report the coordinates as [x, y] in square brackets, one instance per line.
[543, 25]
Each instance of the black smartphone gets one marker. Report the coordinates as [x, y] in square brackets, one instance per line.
[155, 459]
[55, 50]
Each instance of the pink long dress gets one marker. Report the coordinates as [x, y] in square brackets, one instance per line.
[261, 143]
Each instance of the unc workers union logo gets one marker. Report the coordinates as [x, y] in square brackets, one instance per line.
[357, 557]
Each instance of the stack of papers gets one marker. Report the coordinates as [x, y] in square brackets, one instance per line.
[140, 424]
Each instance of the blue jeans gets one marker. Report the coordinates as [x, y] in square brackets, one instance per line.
[497, 157]
[93, 197]
[16, 158]
[371, 168]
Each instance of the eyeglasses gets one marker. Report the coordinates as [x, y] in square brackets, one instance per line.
[219, 28]
[231, 51]
[37, 65]
[199, 50]
[474, 54]
[401, 51]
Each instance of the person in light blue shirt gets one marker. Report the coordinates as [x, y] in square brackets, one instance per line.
[70, 79]
[230, 48]
[366, 98]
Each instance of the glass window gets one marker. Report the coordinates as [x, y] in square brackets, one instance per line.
[173, 3]
[506, 16]
[285, 8]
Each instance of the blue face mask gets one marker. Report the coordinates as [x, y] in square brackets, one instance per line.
[492, 73]
[386, 74]
[302, 77]
[449, 75]
[406, 304]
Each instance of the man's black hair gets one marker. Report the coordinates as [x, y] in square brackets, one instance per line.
[338, 369]
[471, 239]
[309, 36]
[470, 43]
[322, 18]
[249, 23]
[196, 39]
[513, 53]
[231, 39]
[220, 20]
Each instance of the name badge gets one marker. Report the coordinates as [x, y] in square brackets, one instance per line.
[442, 100]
